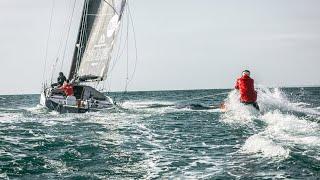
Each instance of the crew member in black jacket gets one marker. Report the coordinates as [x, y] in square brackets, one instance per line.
[61, 79]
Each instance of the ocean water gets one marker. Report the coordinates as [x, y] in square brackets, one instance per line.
[165, 135]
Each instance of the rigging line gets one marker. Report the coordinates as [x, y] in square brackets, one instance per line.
[58, 51]
[135, 45]
[67, 38]
[112, 7]
[54, 65]
[127, 74]
[47, 45]
[53, 68]
[116, 55]
[115, 61]
[119, 46]
[120, 50]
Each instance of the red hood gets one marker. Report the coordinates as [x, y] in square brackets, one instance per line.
[246, 77]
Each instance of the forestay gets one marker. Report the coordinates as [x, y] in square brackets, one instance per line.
[96, 38]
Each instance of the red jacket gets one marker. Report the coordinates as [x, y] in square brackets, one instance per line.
[67, 89]
[246, 87]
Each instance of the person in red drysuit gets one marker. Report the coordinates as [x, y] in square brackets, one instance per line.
[245, 85]
[67, 88]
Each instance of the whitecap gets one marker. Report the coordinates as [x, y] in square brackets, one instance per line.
[264, 146]
[4, 176]
[10, 117]
[145, 104]
[291, 129]
[283, 132]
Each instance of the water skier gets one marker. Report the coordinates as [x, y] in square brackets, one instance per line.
[245, 85]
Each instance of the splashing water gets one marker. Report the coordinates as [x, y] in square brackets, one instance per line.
[287, 124]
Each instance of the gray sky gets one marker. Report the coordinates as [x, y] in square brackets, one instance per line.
[182, 44]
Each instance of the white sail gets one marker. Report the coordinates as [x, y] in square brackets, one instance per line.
[96, 38]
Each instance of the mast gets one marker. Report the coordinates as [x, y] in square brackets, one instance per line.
[97, 33]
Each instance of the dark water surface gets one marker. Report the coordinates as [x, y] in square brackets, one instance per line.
[168, 134]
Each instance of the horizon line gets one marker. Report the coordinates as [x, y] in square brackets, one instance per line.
[159, 90]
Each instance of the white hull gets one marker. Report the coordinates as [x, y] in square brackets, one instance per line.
[58, 102]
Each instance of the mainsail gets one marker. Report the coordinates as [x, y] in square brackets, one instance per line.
[98, 29]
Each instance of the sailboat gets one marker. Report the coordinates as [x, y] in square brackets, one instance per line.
[97, 33]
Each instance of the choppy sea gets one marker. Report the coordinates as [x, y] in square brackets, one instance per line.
[165, 135]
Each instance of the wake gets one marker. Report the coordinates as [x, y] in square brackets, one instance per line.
[287, 124]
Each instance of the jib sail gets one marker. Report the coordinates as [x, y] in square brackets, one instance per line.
[98, 30]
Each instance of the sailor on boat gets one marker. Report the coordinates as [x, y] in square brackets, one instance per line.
[61, 79]
[245, 85]
[67, 88]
